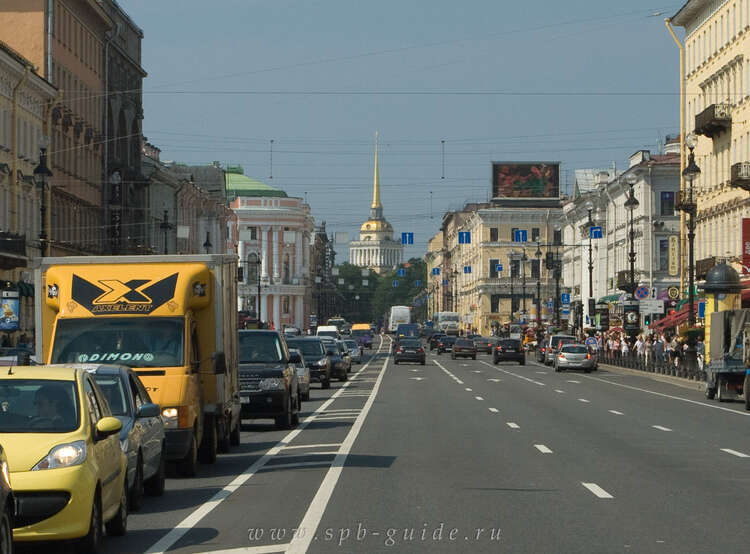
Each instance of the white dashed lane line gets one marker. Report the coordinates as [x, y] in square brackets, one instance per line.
[493, 410]
[597, 490]
[584, 400]
[560, 391]
[468, 389]
[576, 382]
[543, 449]
[734, 453]
[615, 412]
[513, 425]
[479, 398]
[660, 428]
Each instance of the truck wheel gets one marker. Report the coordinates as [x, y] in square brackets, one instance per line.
[746, 391]
[188, 466]
[224, 440]
[719, 396]
[234, 436]
[710, 392]
[209, 445]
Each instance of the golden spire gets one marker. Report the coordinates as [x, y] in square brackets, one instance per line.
[376, 180]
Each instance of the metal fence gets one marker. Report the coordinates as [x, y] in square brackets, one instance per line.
[653, 364]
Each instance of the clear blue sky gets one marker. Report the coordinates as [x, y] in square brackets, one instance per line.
[227, 76]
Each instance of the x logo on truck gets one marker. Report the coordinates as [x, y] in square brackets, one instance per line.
[112, 296]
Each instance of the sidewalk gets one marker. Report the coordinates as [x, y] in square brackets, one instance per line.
[678, 381]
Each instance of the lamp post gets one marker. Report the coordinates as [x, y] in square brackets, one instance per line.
[631, 204]
[254, 259]
[41, 174]
[557, 274]
[165, 226]
[589, 208]
[523, 282]
[538, 255]
[690, 173]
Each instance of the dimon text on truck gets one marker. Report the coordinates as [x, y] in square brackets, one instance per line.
[173, 319]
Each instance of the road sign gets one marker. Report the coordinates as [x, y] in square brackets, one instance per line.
[464, 237]
[673, 293]
[417, 283]
[565, 298]
[591, 341]
[652, 306]
[436, 271]
[641, 292]
[595, 232]
[395, 284]
[499, 268]
[401, 272]
[467, 269]
[445, 282]
[407, 238]
[701, 309]
[520, 235]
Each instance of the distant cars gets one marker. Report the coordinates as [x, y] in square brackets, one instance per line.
[142, 433]
[68, 471]
[316, 358]
[340, 360]
[464, 348]
[7, 506]
[355, 350]
[409, 350]
[346, 358]
[268, 378]
[303, 375]
[574, 356]
[435, 339]
[485, 344]
[446, 344]
[552, 345]
[509, 350]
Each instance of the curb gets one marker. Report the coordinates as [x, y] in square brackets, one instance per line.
[677, 381]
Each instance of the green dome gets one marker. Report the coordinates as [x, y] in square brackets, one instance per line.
[238, 184]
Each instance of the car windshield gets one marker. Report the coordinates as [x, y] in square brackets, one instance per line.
[575, 349]
[132, 341]
[38, 406]
[259, 347]
[464, 342]
[361, 333]
[410, 343]
[309, 348]
[557, 341]
[352, 345]
[509, 343]
[114, 390]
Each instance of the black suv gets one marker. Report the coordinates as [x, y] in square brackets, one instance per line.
[268, 378]
[316, 358]
[509, 350]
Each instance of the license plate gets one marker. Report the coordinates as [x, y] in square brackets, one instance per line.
[244, 400]
[511, 350]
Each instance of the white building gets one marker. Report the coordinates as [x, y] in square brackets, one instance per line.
[656, 226]
[376, 248]
[276, 230]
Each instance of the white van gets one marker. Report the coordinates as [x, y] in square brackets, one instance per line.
[328, 331]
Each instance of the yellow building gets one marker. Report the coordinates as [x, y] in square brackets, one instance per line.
[717, 100]
[470, 283]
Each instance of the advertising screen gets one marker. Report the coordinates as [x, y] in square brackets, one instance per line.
[525, 179]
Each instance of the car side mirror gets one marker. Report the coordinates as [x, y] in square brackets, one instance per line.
[220, 363]
[295, 358]
[148, 410]
[107, 426]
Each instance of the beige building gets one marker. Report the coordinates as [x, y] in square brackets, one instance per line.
[717, 100]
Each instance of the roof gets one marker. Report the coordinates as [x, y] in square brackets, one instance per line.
[238, 184]
[586, 180]
[43, 372]
[664, 159]
[687, 12]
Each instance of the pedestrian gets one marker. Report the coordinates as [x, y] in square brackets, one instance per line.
[625, 348]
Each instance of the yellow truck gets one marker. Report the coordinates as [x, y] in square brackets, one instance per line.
[173, 319]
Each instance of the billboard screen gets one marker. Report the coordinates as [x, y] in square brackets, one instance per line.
[525, 179]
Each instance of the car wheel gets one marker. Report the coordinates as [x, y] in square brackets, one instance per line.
[154, 485]
[474, 357]
[210, 443]
[422, 362]
[93, 539]
[295, 414]
[234, 436]
[325, 384]
[136, 493]
[188, 466]
[395, 361]
[285, 421]
[6, 535]
[522, 362]
[118, 525]
[719, 396]
[587, 370]
[343, 377]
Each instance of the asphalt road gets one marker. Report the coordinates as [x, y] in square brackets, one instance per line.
[466, 456]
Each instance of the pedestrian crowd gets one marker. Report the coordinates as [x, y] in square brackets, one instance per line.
[648, 348]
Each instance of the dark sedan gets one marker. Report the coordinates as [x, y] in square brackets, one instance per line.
[485, 344]
[435, 339]
[446, 344]
[509, 350]
[464, 348]
[409, 350]
[314, 352]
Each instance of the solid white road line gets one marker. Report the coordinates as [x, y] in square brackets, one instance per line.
[541, 372]
[615, 412]
[315, 511]
[267, 549]
[479, 398]
[347, 410]
[335, 417]
[543, 449]
[577, 382]
[734, 453]
[312, 446]
[597, 490]
[583, 400]
[321, 464]
[298, 454]
[174, 535]
[456, 379]
[515, 374]
[513, 425]
[493, 410]
[660, 428]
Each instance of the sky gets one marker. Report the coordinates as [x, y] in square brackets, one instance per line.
[580, 82]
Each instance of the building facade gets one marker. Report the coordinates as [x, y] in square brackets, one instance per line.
[275, 233]
[717, 105]
[376, 248]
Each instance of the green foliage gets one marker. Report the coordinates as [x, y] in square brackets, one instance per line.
[351, 309]
[386, 295]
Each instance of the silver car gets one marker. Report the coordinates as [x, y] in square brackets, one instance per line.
[355, 352]
[574, 356]
[303, 376]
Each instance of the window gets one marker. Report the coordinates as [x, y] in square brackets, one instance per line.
[493, 268]
[558, 237]
[663, 254]
[667, 203]
[253, 233]
[534, 234]
[535, 268]
[95, 412]
[494, 303]
[493, 234]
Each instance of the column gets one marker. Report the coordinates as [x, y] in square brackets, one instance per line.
[298, 256]
[263, 239]
[276, 312]
[263, 307]
[276, 241]
[299, 315]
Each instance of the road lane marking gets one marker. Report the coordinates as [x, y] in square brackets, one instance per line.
[333, 417]
[189, 522]
[543, 449]
[468, 389]
[476, 371]
[615, 412]
[597, 490]
[479, 398]
[417, 378]
[560, 391]
[495, 380]
[339, 410]
[456, 379]
[328, 445]
[734, 453]
[493, 410]
[660, 428]
[515, 374]
[513, 425]
[577, 382]
[583, 400]
[541, 372]
[266, 549]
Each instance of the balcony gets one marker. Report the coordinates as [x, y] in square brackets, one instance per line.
[713, 120]
[741, 175]
[683, 202]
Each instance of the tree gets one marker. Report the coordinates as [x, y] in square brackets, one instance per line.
[386, 295]
[351, 309]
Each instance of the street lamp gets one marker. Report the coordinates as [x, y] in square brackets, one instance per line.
[557, 270]
[589, 208]
[631, 204]
[165, 226]
[523, 282]
[41, 174]
[690, 173]
[538, 255]
[255, 260]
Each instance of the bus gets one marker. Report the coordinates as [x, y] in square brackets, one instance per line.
[399, 314]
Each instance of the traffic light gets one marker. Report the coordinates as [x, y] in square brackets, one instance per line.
[549, 260]
[647, 319]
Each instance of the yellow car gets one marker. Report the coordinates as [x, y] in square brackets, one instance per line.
[63, 447]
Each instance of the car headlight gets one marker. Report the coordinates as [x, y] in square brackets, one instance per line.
[5, 473]
[63, 455]
[169, 416]
[124, 445]
[272, 383]
[321, 362]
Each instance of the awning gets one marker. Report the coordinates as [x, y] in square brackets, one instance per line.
[610, 298]
[675, 319]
